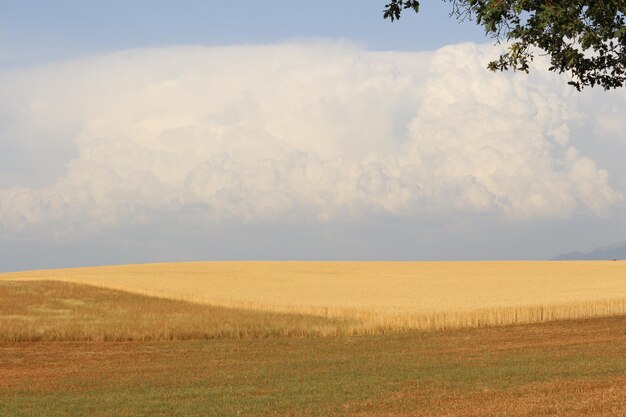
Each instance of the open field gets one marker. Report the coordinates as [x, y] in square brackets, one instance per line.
[177, 360]
[60, 311]
[379, 295]
[563, 368]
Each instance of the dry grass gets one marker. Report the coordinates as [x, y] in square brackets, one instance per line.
[36, 311]
[379, 295]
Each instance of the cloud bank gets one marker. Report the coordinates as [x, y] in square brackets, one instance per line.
[290, 133]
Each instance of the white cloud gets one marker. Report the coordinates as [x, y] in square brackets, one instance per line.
[607, 114]
[294, 132]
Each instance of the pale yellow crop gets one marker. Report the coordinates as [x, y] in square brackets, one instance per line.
[402, 295]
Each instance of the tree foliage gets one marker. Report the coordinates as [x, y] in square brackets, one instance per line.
[584, 38]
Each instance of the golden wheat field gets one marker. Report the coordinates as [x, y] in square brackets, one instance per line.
[389, 295]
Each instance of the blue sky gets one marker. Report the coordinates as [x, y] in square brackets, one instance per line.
[146, 131]
[35, 31]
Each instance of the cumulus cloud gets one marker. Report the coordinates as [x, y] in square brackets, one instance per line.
[311, 132]
[606, 114]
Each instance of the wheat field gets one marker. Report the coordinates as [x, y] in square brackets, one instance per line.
[378, 295]
[48, 311]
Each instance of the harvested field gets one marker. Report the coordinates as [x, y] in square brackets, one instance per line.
[573, 368]
[378, 295]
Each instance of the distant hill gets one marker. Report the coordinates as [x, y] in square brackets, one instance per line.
[616, 251]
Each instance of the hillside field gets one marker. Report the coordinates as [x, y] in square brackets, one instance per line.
[378, 296]
[81, 351]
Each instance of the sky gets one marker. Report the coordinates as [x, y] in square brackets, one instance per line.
[153, 131]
